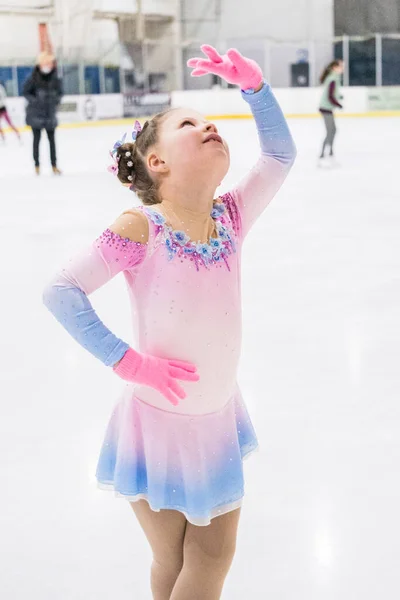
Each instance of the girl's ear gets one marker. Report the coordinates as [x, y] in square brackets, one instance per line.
[155, 164]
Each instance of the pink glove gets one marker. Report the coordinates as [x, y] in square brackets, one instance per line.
[233, 67]
[158, 373]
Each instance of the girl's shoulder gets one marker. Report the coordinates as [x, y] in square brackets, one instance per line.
[132, 224]
[332, 77]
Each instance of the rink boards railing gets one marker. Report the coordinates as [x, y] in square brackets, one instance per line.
[220, 104]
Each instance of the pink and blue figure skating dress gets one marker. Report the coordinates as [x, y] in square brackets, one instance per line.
[186, 305]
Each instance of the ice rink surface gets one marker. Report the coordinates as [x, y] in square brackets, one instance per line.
[320, 373]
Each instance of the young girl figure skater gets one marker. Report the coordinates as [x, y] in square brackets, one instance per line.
[330, 101]
[177, 437]
[4, 114]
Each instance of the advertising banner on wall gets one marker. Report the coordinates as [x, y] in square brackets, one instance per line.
[384, 98]
[16, 109]
[90, 108]
[137, 104]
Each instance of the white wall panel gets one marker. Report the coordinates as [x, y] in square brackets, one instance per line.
[151, 7]
[285, 20]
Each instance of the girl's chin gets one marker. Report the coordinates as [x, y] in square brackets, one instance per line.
[215, 146]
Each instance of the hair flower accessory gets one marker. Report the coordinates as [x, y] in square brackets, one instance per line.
[113, 168]
[119, 143]
[137, 128]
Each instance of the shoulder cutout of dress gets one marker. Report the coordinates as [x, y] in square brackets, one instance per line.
[132, 225]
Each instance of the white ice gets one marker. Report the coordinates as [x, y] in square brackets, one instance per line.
[320, 372]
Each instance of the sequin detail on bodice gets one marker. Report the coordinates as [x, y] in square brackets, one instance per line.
[121, 250]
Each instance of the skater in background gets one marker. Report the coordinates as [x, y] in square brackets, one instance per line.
[4, 113]
[330, 101]
[43, 93]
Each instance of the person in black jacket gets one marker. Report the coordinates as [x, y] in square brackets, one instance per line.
[43, 92]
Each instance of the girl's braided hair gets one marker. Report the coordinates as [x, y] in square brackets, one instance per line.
[131, 158]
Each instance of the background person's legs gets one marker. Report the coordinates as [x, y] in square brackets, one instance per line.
[52, 143]
[165, 532]
[36, 141]
[332, 132]
[207, 556]
[329, 121]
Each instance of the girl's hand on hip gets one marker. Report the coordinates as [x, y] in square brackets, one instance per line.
[158, 373]
[232, 66]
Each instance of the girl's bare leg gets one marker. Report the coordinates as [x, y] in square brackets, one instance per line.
[208, 553]
[165, 532]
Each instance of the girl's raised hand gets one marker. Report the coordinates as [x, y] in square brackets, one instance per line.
[232, 66]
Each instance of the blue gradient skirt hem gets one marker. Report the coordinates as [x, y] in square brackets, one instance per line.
[189, 463]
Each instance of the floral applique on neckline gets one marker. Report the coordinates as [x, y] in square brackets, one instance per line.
[180, 245]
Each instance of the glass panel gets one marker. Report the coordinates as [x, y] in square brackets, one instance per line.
[22, 75]
[362, 62]
[111, 76]
[338, 50]
[390, 61]
[6, 80]
[92, 79]
[70, 79]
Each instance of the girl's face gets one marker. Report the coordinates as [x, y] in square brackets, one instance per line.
[340, 68]
[46, 66]
[189, 144]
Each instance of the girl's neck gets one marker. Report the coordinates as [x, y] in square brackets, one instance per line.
[186, 213]
[189, 212]
[188, 201]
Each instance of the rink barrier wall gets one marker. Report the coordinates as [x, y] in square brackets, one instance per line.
[108, 109]
[295, 102]
[75, 109]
